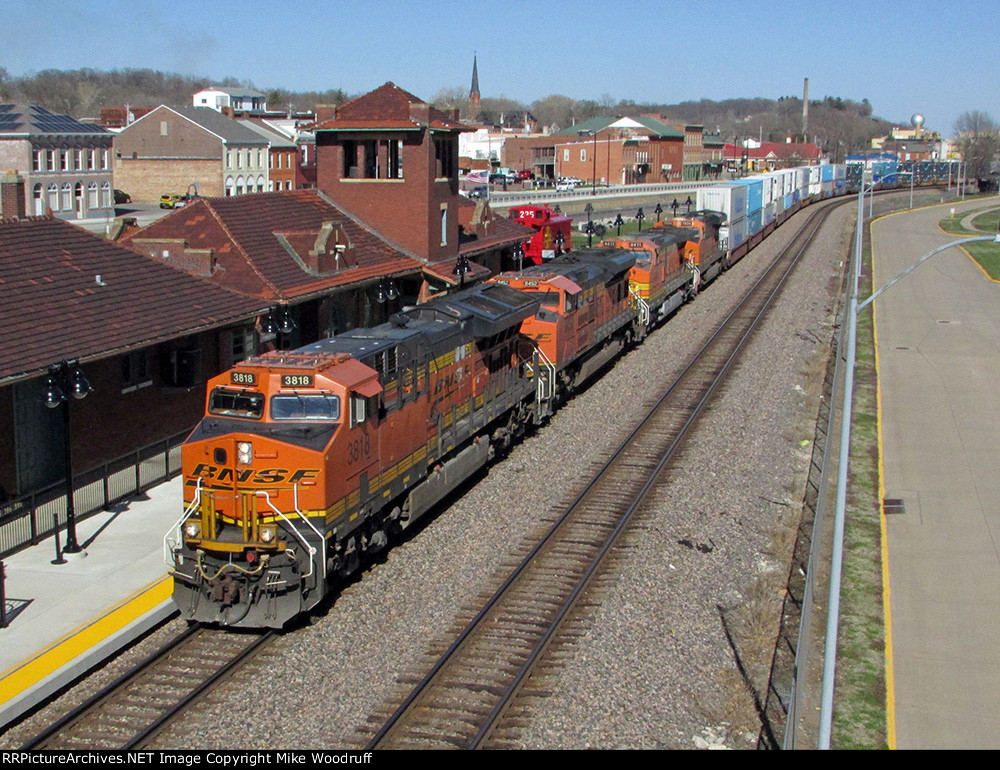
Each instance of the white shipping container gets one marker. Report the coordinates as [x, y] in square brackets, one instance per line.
[730, 199]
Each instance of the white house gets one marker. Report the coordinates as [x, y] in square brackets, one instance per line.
[239, 99]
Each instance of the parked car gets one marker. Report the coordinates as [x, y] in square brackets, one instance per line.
[568, 183]
[173, 201]
[122, 197]
[479, 191]
[525, 174]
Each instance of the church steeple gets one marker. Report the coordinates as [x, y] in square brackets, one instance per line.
[474, 91]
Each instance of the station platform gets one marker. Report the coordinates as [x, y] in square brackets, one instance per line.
[69, 617]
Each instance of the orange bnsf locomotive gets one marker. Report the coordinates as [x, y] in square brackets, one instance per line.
[305, 460]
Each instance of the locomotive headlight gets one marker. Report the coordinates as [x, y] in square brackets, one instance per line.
[192, 529]
[268, 534]
[244, 452]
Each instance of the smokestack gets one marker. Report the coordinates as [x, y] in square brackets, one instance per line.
[805, 110]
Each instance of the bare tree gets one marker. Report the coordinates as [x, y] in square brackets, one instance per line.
[978, 139]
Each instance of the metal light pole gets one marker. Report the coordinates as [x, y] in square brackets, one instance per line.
[65, 379]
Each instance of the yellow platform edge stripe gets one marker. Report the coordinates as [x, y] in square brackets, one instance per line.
[71, 645]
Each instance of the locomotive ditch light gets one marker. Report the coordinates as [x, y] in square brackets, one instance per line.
[268, 534]
[244, 452]
[192, 529]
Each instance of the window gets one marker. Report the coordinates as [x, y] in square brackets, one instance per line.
[358, 410]
[53, 191]
[135, 371]
[444, 224]
[79, 159]
[50, 160]
[444, 155]
[566, 154]
[67, 197]
[242, 344]
[36, 160]
[583, 154]
[64, 159]
[164, 128]
[92, 196]
[236, 403]
[37, 195]
[318, 406]
[104, 159]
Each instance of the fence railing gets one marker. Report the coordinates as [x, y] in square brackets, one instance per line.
[27, 520]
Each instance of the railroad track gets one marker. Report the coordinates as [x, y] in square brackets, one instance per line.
[133, 709]
[462, 701]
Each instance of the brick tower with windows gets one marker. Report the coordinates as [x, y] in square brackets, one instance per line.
[391, 160]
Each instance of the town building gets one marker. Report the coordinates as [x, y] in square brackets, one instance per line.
[235, 99]
[66, 164]
[768, 156]
[189, 149]
[283, 154]
[391, 160]
[620, 151]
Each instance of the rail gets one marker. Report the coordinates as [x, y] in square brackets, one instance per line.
[27, 520]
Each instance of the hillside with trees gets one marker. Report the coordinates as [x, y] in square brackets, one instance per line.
[838, 125]
[81, 93]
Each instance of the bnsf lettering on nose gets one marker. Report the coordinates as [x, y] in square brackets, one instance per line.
[252, 476]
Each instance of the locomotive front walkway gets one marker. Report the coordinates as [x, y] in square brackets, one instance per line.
[71, 616]
[938, 340]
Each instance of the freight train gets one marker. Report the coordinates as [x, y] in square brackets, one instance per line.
[309, 459]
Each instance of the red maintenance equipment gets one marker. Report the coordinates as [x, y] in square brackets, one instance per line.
[553, 234]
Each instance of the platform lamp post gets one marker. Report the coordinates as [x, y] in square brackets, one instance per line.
[461, 268]
[65, 380]
[560, 239]
[618, 223]
[675, 205]
[639, 217]
[659, 212]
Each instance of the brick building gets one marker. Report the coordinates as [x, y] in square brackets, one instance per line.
[65, 163]
[177, 149]
[145, 334]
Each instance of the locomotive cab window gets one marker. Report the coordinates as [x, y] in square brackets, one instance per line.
[550, 299]
[235, 403]
[314, 406]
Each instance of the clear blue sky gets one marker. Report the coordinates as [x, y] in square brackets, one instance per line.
[936, 58]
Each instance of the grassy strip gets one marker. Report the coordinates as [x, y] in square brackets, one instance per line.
[985, 222]
[860, 702]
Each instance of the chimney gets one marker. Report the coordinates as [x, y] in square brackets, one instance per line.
[805, 111]
[325, 112]
[12, 195]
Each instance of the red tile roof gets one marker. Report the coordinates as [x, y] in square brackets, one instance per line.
[483, 230]
[389, 107]
[262, 244]
[66, 293]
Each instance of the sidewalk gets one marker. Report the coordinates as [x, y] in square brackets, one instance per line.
[75, 614]
[938, 343]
